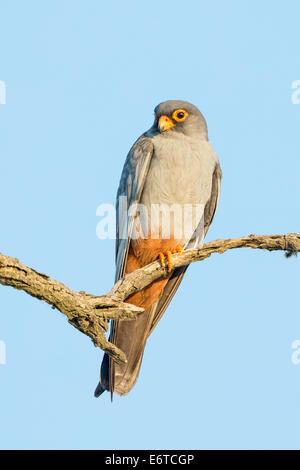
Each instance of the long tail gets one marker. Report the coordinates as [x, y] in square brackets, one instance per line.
[130, 336]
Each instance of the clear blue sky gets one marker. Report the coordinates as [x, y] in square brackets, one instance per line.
[82, 80]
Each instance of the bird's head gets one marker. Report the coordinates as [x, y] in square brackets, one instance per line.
[179, 116]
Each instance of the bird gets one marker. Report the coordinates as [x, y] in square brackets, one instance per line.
[171, 164]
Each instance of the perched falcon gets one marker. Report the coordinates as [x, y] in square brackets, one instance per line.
[171, 165]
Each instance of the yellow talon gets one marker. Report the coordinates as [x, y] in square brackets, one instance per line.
[169, 260]
[168, 254]
[179, 250]
[162, 259]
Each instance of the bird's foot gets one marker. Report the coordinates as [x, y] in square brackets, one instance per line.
[168, 255]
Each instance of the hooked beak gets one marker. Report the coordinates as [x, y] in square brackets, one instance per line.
[165, 123]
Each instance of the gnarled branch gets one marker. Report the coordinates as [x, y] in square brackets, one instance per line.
[90, 314]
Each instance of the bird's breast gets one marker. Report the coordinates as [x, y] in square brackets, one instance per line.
[177, 187]
[180, 172]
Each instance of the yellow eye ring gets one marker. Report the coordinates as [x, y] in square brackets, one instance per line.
[180, 115]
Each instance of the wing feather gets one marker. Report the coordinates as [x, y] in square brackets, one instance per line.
[131, 187]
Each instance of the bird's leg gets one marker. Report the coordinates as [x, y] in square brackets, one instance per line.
[168, 255]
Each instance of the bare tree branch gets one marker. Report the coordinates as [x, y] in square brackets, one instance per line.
[87, 313]
[90, 314]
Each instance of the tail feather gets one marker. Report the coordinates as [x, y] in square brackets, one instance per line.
[99, 390]
[130, 336]
[103, 385]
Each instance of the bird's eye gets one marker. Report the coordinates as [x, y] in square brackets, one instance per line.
[180, 115]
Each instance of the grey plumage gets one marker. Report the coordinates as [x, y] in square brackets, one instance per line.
[175, 166]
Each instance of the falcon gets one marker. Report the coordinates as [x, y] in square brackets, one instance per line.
[171, 184]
